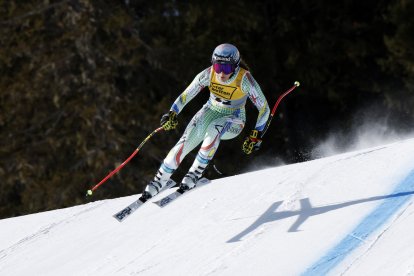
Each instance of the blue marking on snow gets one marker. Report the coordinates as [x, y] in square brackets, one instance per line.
[371, 223]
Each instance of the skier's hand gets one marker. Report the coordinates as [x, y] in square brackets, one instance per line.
[169, 121]
[252, 142]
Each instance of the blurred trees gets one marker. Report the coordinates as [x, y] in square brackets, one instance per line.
[399, 60]
[83, 82]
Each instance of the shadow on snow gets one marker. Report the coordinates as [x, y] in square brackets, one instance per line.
[306, 211]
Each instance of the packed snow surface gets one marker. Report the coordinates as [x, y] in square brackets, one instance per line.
[348, 214]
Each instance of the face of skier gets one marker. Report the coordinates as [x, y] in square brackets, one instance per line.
[224, 71]
[223, 77]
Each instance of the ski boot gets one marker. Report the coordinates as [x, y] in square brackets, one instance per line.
[189, 182]
[151, 190]
[156, 185]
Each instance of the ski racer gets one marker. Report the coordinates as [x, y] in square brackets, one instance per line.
[221, 118]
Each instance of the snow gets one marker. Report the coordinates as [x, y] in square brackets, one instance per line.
[287, 220]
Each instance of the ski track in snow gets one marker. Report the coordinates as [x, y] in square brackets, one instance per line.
[373, 240]
[20, 244]
[44, 231]
[220, 262]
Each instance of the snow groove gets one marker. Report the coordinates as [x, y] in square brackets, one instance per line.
[375, 240]
[43, 232]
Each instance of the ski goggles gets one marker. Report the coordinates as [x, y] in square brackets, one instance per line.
[224, 67]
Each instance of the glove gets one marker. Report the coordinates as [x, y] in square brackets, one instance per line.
[169, 121]
[252, 142]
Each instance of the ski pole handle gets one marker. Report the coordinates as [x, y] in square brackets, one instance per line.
[296, 84]
[90, 192]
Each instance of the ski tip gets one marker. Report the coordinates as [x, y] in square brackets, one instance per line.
[122, 215]
[118, 219]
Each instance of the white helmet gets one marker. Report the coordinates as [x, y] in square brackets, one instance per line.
[226, 53]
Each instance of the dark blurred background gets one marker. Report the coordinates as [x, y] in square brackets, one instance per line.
[83, 82]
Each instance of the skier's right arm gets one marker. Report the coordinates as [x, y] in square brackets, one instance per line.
[169, 120]
[200, 81]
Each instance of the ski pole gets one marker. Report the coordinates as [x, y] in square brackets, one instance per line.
[89, 192]
[296, 84]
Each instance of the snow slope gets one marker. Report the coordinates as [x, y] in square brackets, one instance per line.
[349, 214]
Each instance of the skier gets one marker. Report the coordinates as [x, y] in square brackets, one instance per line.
[221, 118]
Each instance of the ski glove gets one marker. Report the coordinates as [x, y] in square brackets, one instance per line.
[169, 121]
[252, 142]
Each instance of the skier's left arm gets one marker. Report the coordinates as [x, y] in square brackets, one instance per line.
[252, 89]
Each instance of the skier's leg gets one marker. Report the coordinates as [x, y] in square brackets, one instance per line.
[221, 129]
[193, 135]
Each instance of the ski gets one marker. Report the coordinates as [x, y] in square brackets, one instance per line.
[131, 208]
[173, 196]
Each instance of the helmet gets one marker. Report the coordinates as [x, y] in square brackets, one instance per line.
[226, 53]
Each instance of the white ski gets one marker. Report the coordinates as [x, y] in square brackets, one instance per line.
[173, 196]
[127, 211]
